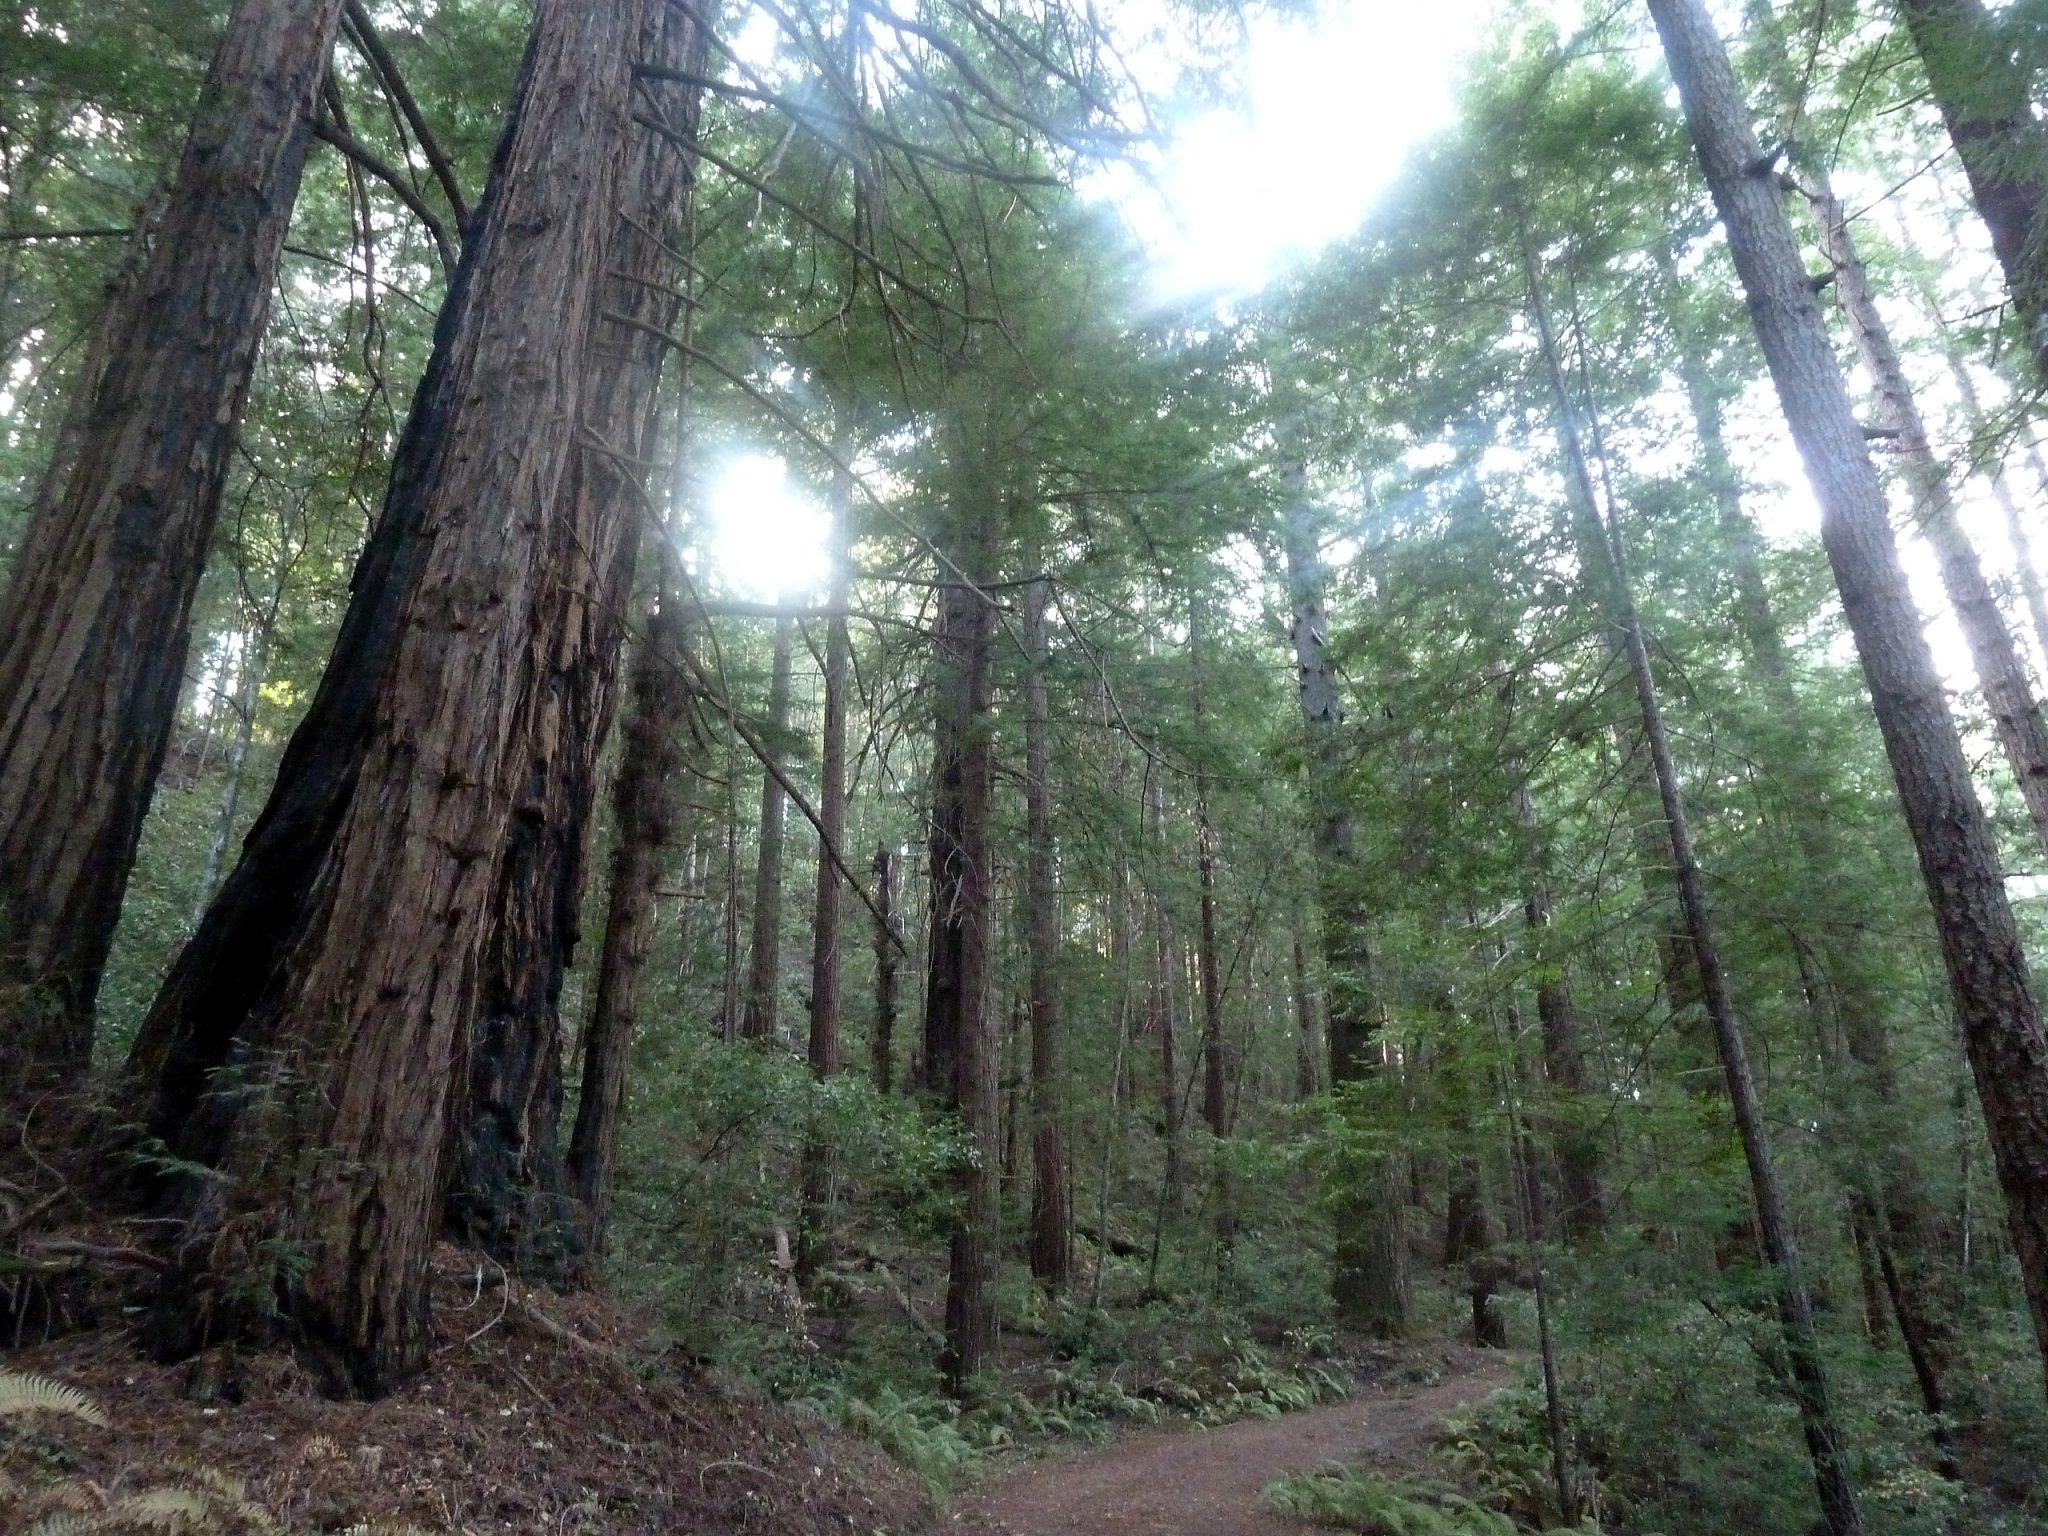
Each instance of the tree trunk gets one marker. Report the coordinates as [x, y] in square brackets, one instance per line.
[95, 618]
[248, 694]
[1164, 1003]
[1840, 1511]
[884, 1044]
[762, 1013]
[960, 1044]
[2000, 672]
[1577, 1143]
[1370, 1282]
[828, 915]
[1052, 1214]
[1987, 965]
[1309, 1050]
[334, 1144]
[509, 1195]
[1215, 1073]
[1989, 111]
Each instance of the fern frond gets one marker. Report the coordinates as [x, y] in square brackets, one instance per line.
[64, 1522]
[21, 1393]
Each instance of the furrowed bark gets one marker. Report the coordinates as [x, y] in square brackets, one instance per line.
[95, 619]
[960, 1041]
[1052, 1212]
[508, 1195]
[332, 1136]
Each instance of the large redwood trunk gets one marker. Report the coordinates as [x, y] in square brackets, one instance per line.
[1052, 1206]
[959, 1035]
[95, 620]
[508, 1195]
[331, 1137]
[1993, 991]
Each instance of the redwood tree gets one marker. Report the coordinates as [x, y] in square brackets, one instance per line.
[95, 620]
[328, 1138]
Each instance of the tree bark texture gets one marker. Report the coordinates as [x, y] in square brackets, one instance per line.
[331, 1134]
[883, 1045]
[508, 1194]
[1052, 1206]
[1993, 991]
[95, 619]
[960, 1038]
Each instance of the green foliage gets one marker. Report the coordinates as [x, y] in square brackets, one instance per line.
[929, 1434]
[1351, 1499]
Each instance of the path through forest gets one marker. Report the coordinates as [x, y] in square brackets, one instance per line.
[1206, 1483]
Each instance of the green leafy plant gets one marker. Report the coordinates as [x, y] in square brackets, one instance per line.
[1351, 1499]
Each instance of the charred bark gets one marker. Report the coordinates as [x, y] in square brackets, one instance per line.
[330, 1132]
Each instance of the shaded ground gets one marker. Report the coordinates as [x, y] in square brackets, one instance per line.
[539, 1414]
[1207, 1482]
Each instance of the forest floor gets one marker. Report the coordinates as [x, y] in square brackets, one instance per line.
[1207, 1482]
[539, 1413]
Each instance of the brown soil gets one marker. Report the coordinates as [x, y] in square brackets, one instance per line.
[1207, 1483]
[539, 1414]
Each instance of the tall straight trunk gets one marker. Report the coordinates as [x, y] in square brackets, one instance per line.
[1164, 1003]
[883, 1046]
[2000, 672]
[1370, 1279]
[1577, 1143]
[828, 912]
[333, 1140]
[1896, 1205]
[1986, 962]
[1209, 971]
[1052, 1206]
[763, 1008]
[960, 1038]
[1988, 108]
[508, 1194]
[96, 615]
[1840, 1511]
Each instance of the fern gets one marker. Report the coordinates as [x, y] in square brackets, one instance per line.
[21, 1394]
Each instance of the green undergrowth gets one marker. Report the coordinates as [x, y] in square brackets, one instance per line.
[1353, 1499]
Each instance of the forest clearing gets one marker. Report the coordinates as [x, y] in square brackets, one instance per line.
[1024, 765]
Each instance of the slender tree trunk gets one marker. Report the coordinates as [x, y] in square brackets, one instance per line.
[1309, 1051]
[2000, 672]
[1370, 1282]
[762, 1014]
[1557, 1013]
[960, 1044]
[1989, 111]
[334, 1141]
[95, 618]
[509, 1194]
[828, 915]
[1839, 1507]
[1986, 962]
[1165, 1009]
[884, 1043]
[254, 670]
[1052, 1213]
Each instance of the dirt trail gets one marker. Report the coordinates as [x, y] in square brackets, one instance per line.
[1207, 1482]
